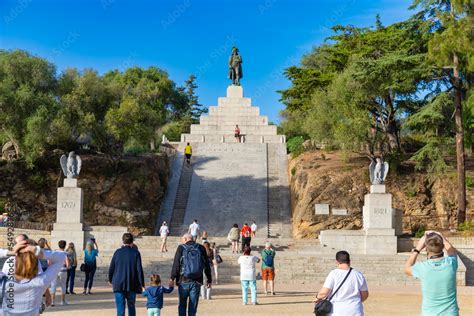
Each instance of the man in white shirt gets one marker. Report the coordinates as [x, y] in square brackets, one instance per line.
[350, 295]
[194, 230]
[253, 227]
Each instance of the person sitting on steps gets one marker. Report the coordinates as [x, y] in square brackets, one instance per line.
[237, 133]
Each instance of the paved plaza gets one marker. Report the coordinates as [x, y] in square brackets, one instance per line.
[290, 300]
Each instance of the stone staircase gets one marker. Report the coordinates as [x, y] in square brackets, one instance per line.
[181, 199]
[278, 192]
[297, 262]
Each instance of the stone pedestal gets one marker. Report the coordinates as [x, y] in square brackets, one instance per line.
[69, 214]
[378, 222]
[378, 234]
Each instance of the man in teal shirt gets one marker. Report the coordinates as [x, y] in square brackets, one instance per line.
[437, 275]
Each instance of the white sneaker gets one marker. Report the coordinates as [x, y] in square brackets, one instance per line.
[64, 303]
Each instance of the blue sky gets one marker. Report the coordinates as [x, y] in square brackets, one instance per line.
[187, 36]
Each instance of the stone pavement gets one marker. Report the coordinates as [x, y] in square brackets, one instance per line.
[290, 300]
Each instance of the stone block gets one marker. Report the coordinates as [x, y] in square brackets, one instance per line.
[352, 241]
[69, 235]
[69, 205]
[235, 91]
[234, 102]
[70, 183]
[380, 232]
[377, 210]
[377, 188]
[321, 209]
[380, 245]
[339, 211]
[397, 221]
[234, 110]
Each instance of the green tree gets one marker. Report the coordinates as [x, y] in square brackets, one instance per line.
[132, 122]
[452, 50]
[26, 84]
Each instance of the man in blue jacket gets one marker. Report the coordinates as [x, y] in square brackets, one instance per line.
[126, 275]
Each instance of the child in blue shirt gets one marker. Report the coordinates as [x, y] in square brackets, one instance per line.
[154, 295]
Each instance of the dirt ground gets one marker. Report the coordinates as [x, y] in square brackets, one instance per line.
[290, 300]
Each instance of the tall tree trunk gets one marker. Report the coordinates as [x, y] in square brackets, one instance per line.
[391, 127]
[460, 157]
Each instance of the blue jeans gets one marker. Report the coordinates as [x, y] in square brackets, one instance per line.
[188, 290]
[71, 274]
[120, 297]
[253, 290]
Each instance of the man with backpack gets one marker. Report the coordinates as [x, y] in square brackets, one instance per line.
[268, 268]
[189, 265]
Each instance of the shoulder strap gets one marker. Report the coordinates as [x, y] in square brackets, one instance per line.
[345, 278]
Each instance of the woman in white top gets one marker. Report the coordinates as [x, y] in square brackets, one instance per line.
[248, 276]
[27, 288]
[348, 299]
[164, 232]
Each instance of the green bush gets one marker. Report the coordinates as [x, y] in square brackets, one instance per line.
[418, 230]
[38, 179]
[466, 226]
[470, 182]
[173, 131]
[293, 171]
[295, 146]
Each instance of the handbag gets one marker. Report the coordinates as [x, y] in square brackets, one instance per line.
[219, 259]
[324, 307]
[83, 267]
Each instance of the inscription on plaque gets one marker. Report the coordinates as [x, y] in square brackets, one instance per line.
[68, 204]
[380, 210]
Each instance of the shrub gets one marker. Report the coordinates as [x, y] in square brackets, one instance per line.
[470, 182]
[467, 228]
[418, 230]
[295, 146]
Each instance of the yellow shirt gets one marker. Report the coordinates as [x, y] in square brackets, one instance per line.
[188, 150]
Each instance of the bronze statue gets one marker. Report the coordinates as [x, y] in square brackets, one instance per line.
[235, 67]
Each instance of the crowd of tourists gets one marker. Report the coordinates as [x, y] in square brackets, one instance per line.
[35, 273]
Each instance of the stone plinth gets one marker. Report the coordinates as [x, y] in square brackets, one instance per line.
[378, 234]
[69, 214]
[235, 91]
[377, 210]
[352, 241]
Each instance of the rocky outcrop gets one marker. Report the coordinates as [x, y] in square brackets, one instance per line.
[342, 182]
[128, 193]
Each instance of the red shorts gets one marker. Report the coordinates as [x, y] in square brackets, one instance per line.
[268, 274]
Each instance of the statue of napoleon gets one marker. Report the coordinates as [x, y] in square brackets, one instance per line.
[235, 67]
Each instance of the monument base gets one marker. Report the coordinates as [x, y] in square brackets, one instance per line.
[378, 236]
[68, 232]
[68, 224]
[370, 242]
[380, 242]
